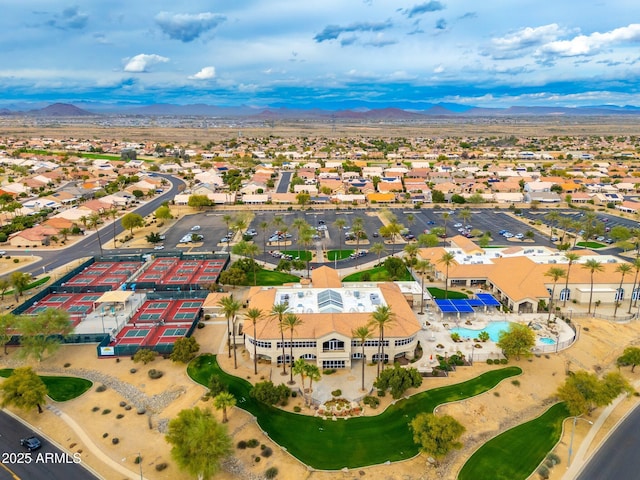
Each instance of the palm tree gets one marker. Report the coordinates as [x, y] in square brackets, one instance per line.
[227, 219]
[381, 317]
[411, 219]
[378, 248]
[263, 227]
[565, 223]
[636, 266]
[278, 310]
[465, 214]
[222, 401]
[571, 257]
[230, 307]
[447, 259]
[299, 224]
[65, 232]
[248, 249]
[362, 334]
[279, 224]
[254, 314]
[552, 218]
[306, 239]
[300, 368]
[93, 222]
[291, 321]
[422, 267]
[113, 213]
[593, 266]
[555, 273]
[445, 219]
[410, 253]
[357, 227]
[313, 373]
[340, 223]
[622, 269]
[394, 228]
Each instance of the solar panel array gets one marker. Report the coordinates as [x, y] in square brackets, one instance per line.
[467, 305]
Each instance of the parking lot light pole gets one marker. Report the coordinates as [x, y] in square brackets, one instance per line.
[573, 430]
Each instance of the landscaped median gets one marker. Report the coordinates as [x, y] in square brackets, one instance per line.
[515, 454]
[60, 388]
[356, 442]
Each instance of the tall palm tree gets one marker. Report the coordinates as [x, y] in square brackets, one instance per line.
[465, 214]
[410, 254]
[279, 224]
[622, 269]
[299, 224]
[254, 314]
[263, 227]
[565, 223]
[340, 223]
[447, 259]
[422, 267]
[555, 273]
[227, 219]
[306, 239]
[445, 219]
[593, 266]
[362, 334]
[636, 266]
[230, 307]
[393, 229]
[357, 227]
[248, 249]
[382, 316]
[279, 310]
[313, 373]
[552, 218]
[378, 248]
[222, 401]
[291, 321]
[94, 222]
[571, 257]
[113, 213]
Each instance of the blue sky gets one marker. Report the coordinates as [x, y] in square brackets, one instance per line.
[325, 54]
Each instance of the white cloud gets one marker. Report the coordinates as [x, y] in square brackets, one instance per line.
[206, 73]
[590, 44]
[438, 69]
[140, 63]
[187, 27]
[528, 37]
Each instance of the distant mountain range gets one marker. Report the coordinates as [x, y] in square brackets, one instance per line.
[363, 112]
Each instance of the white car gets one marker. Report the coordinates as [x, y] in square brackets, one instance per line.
[159, 247]
[195, 228]
[519, 236]
[457, 225]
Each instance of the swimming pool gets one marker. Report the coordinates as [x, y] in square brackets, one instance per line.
[547, 340]
[493, 329]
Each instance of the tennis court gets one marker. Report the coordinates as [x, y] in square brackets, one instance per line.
[173, 271]
[142, 332]
[174, 332]
[108, 274]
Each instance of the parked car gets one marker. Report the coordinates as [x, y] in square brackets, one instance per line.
[31, 443]
[159, 247]
[195, 228]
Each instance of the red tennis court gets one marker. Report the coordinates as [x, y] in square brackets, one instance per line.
[108, 274]
[173, 271]
[77, 304]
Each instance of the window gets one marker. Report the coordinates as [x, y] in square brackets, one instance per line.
[404, 341]
[376, 356]
[308, 356]
[333, 364]
[368, 343]
[287, 359]
[565, 294]
[619, 294]
[636, 293]
[333, 345]
[298, 344]
[357, 355]
[330, 301]
[260, 343]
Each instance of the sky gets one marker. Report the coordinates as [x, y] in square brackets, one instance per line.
[328, 54]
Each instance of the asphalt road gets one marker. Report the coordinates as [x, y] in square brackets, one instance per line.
[47, 463]
[618, 458]
[283, 184]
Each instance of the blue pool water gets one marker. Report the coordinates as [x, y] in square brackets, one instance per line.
[493, 329]
[547, 340]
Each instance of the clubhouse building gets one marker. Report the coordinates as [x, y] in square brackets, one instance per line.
[329, 311]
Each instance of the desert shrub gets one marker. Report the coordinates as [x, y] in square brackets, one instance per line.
[207, 317]
[123, 404]
[133, 370]
[95, 409]
[373, 402]
[329, 371]
[155, 374]
[297, 409]
[141, 411]
[489, 361]
[294, 394]
[267, 452]
[336, 393]
[200, 325]
[271, 473]
[496, 394]
[145, 356]
[127, 407]
[253, 443]
[504, 361]
[106, 411]
[256, 459]
[67, 365]
[543, 472]
[105, 435]
[554, 457]
[138, 460]
[115, 440]
[119, 416]
[161, 466]
[242, 444]
[16, 260]
[515, 383]
[101, 388]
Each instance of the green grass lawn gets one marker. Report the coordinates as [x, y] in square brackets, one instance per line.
[270, 278]
[376, 274]
[591, 244]
[357, 442]
[341, 254]
[34, 284]
[60, 389]
[515, 454]
[304, 255]
[438, 293]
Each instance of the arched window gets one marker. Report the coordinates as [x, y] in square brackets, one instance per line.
[619, 294]
[565, 294]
